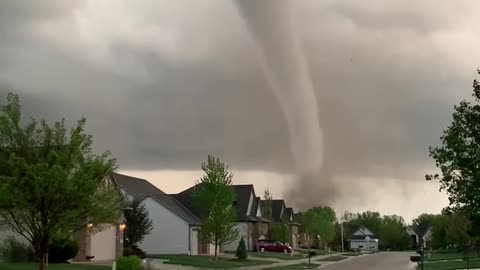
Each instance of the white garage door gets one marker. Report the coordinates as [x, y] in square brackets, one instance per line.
[194, 242]
[103, 243]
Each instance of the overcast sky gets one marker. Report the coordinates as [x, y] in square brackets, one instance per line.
[164, 83]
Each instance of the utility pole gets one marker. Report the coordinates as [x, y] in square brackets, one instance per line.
[341, 232]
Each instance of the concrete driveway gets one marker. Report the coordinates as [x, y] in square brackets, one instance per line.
[379, 261]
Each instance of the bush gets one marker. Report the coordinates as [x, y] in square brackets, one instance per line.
[15, 251]
[134, 250]
[128, 263]
[62, 250]
[241, 253]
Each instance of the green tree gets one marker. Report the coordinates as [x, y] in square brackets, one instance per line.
[311, 223]
[241, 252]
[51, 184]
[215, 196]
[282, 232]
[138, 224]
[392, 233]
[267, 211]
[457, 158]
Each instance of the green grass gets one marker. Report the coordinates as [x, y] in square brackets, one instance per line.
[209, 262]
[334, 258]
[278, 255]
[34, 266]
[351, 254]
[436, 256]
[318, 251]
[448, 265]
[299, 266]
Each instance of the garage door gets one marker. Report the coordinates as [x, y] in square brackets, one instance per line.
[194, 243]
[103, 244]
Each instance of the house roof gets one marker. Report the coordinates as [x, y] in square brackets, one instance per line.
[241, 201]
[177, 208]
[135, 187]
[421, 229]
[362, 236]
[277, 206]
[141, 188]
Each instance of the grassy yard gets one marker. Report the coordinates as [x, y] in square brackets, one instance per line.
[277, 255]
[334, 258]
[299, 266]
[351, 254]
[454, 264]
[318, 251]
[34, 266]
[436, 256]
[209, 262]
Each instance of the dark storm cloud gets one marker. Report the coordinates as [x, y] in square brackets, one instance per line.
[164, 83]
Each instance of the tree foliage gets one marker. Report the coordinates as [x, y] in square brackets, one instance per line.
[51, 184]
[458, 157]
[241, 252]
[282, 232]
[267, 212]
[392, 233]
[319, 224]
[138, 226]
[215, 196]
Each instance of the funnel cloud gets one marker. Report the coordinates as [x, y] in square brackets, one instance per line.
[271, 23]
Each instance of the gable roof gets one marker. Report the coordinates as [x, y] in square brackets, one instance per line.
[277, 210]
[361, 232]
[242, 195]
[141, 188]
[173, 205]
[135, 187]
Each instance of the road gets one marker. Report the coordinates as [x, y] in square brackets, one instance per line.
[379, 261]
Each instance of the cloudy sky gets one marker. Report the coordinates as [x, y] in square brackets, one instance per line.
[164, 83]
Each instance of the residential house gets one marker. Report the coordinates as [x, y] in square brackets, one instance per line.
[104, 242]
[175, 228]
[283, 214]
[294, 227]
[363, 239]
[249, 219]
[420, 236]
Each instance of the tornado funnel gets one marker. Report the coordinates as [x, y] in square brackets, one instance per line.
[271, 26]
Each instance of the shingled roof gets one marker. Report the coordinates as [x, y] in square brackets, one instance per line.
[241, 201]
[277, 207]
[140, 189]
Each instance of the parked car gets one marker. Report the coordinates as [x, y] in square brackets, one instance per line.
[273, 246]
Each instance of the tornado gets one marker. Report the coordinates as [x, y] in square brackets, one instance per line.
[271, 25]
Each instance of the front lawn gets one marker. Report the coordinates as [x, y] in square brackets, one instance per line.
[436, 256]
[299, 266]
[351, 254]
[334, 258]
[317, 251]
[454, 264]
[34, 266]
[277, 255]
[209, 262]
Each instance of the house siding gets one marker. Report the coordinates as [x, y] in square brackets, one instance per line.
[170, 233]
[243, 230]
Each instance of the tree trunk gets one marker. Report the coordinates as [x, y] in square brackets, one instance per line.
[216, 249]
[42, 262]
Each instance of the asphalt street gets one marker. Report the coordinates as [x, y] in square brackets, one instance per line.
[379, 261]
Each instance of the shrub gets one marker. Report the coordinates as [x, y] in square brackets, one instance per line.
[241, 253]
[62, 250]
[15, 251]
[134, 250]
[128, 263]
